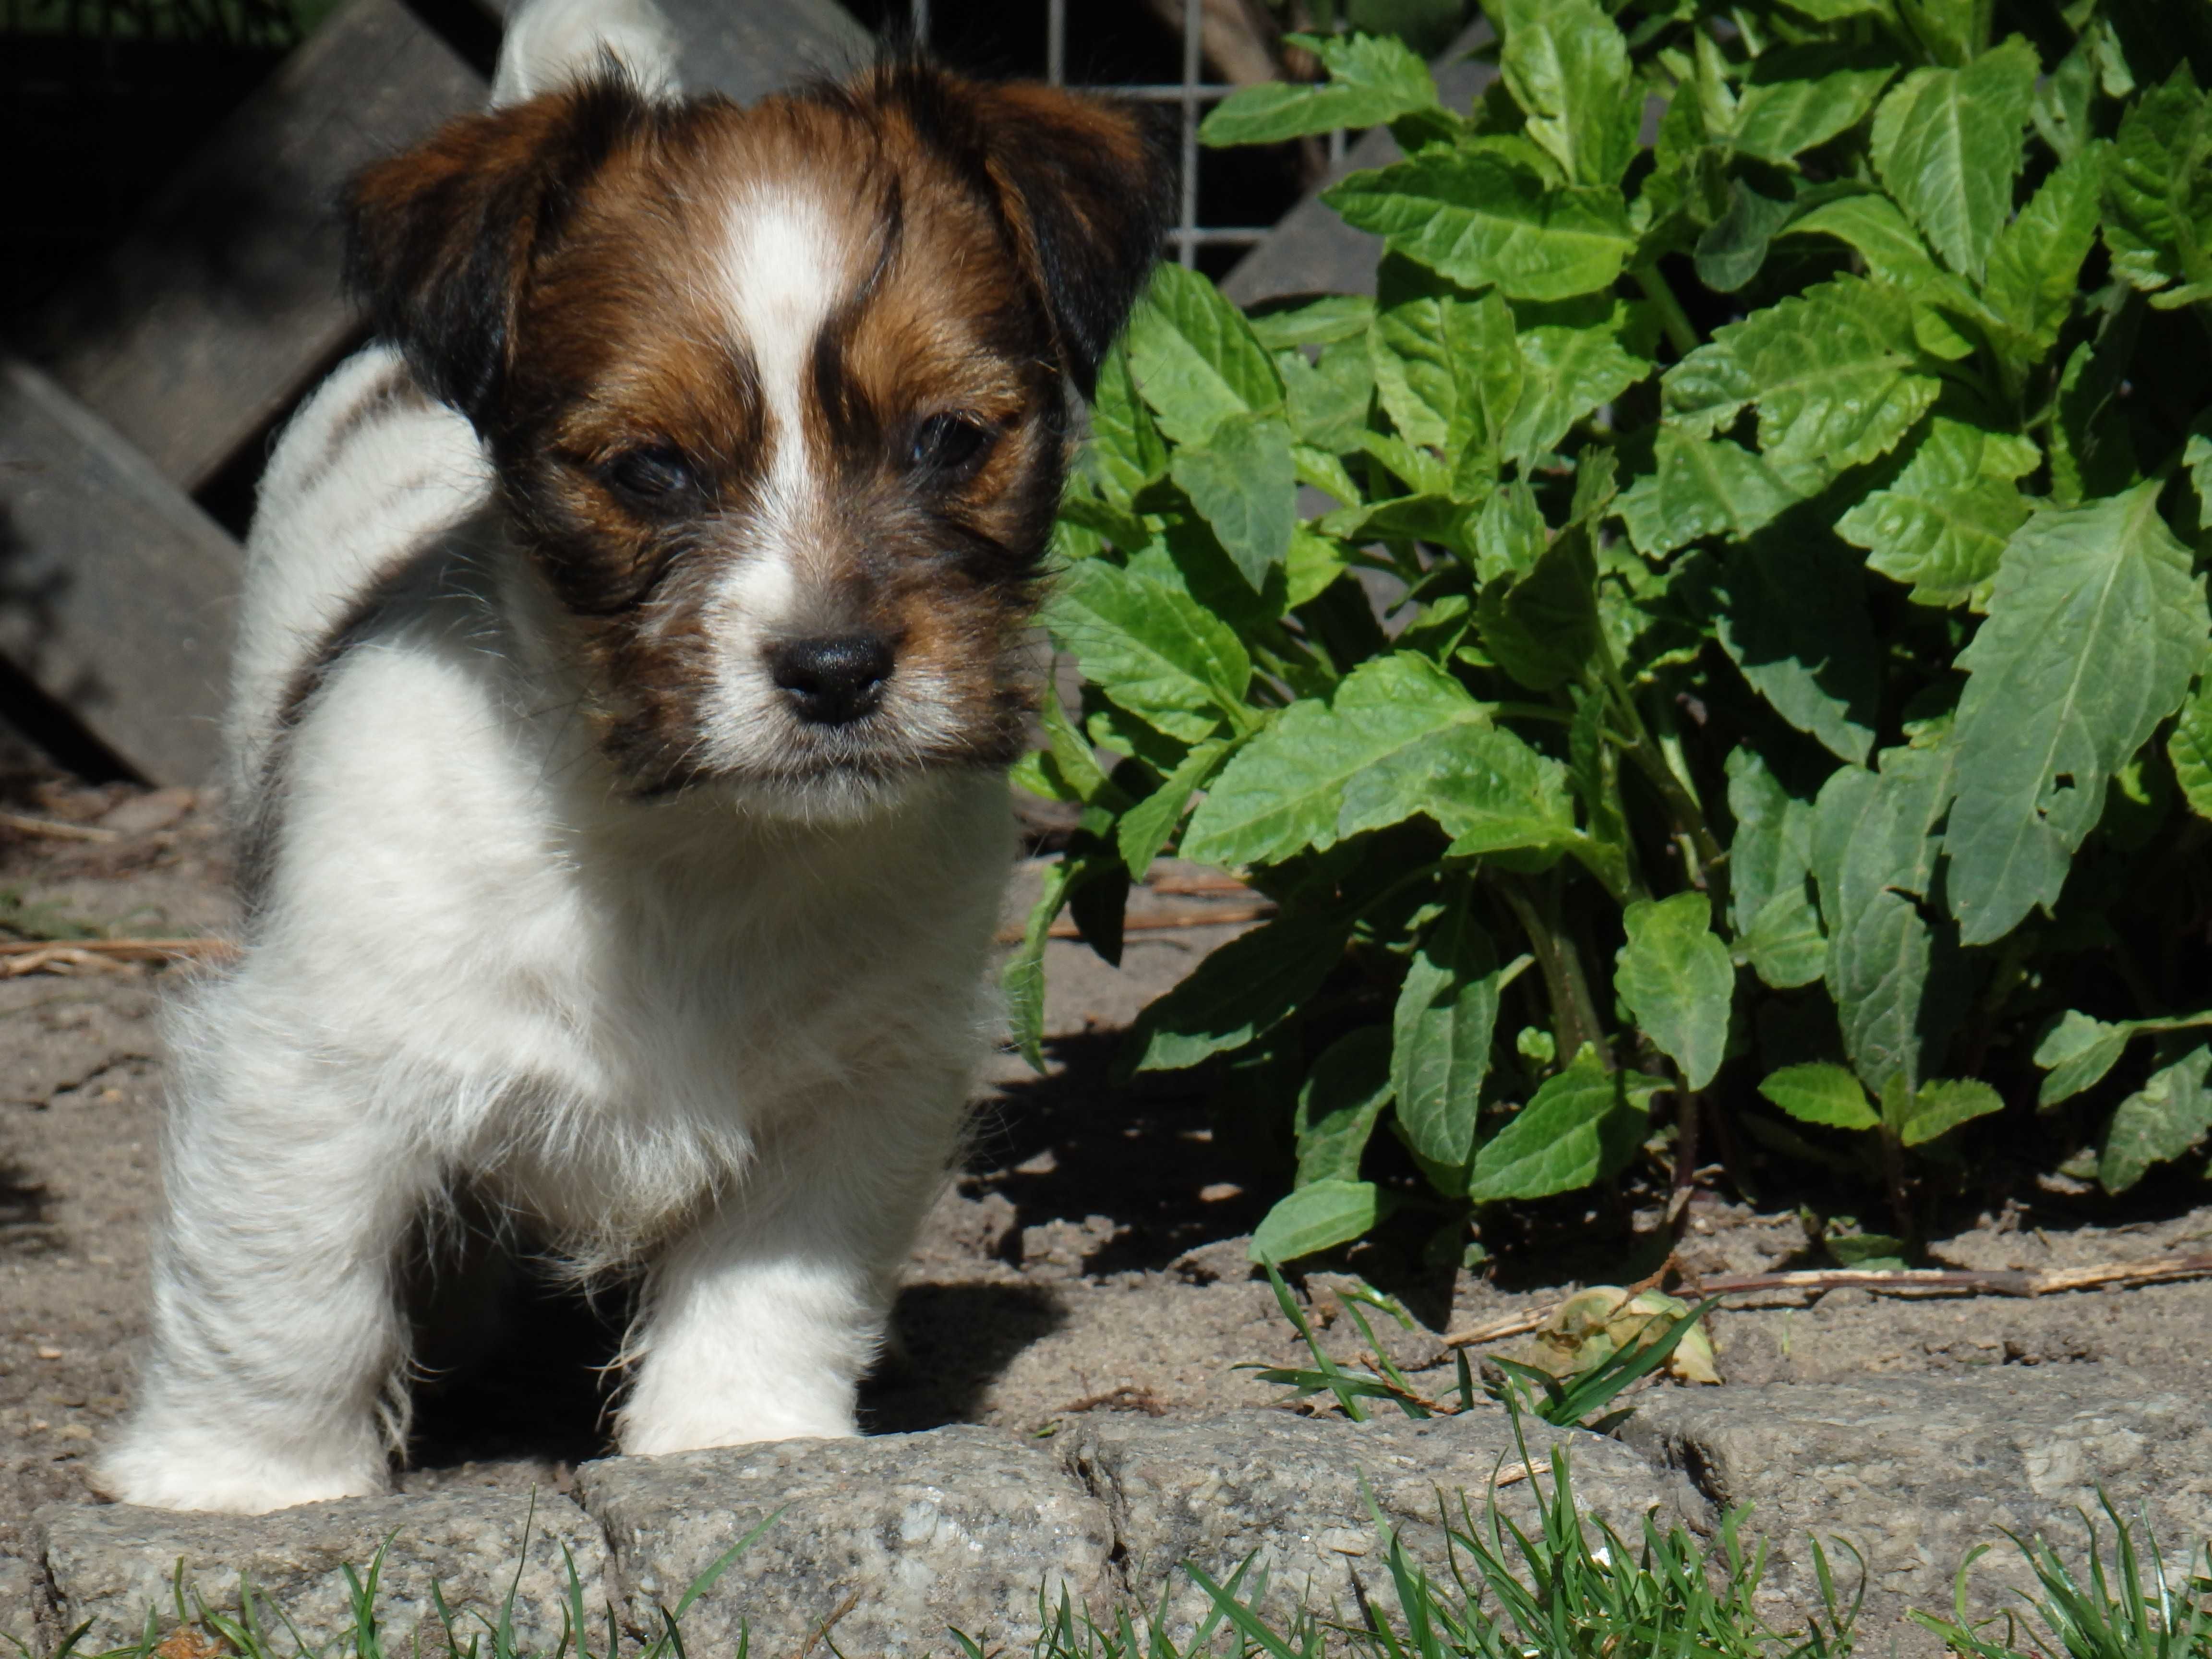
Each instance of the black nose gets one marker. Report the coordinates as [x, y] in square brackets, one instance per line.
[832, 682]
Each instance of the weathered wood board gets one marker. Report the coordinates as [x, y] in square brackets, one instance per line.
[115, 590]
[224, 299]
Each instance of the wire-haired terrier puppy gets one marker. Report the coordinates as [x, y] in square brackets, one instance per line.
[632, 647]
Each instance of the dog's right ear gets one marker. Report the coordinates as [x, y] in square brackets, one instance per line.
[439, 242]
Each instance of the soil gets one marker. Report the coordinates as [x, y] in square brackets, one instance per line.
[1088, 1255]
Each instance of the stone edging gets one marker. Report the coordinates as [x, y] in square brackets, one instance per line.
[897, 1537]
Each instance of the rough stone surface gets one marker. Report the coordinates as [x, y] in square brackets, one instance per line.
[110, 1565]
[1915, 1471]
[1214, 1491]
[22, 1588]
[889, 1542]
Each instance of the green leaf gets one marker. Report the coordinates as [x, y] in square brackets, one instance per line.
[1313, 562]
[2036, 263]
[1776, 122]
[1947, 145]
[1316, 1217]
[1674, 976]
[1941, 1106]
[1446, 1013]
[1593, 768]
[1286, 788]
[1875, 227]
[1447, 369]
[1893, 974]
[1511, 535]
[1022, 979]
[1583, 1123]
[1326, 321]
[2095, 626]
[1151, 649]
[1340, 1104]
[1488, 790]
[1871, 1251]
[1795, 622]
[2160, 1123]
[1944, 524]
[1241, 482]
[1143, 829]
[2158, 200]
[1126, 453]
[1565, 373]
[1566, 65]
[1327, 400]
[1704, 487]
[2077, 1053]
[1245, 989]
[1733, 248]
[1831, 370]
[1770, 866]
[1371, 83]
[1195, 358]
[1479, 219]
[1542, 628]
[1785, 945]
[2190, 748]
[1820, 1093]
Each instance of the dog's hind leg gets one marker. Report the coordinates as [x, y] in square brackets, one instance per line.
[759, 1324]
[272, 1369]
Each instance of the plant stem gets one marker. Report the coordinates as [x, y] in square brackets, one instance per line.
[1892, 1179]
[1674, 321]
[1689, 818]
[1685, 1158]
[1574, 1014]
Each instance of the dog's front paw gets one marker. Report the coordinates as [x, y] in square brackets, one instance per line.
[190, 1469]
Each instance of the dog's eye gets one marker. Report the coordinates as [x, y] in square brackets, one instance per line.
[651, 474]
[950, 447]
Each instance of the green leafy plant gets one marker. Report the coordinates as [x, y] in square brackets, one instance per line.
[1743, 622]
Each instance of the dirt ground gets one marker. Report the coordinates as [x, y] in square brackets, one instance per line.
[1088, 1254]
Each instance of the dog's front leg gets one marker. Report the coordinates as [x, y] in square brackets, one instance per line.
[759, 1325]
[275, 1326]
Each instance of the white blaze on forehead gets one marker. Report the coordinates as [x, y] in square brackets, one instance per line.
[785, 266]
[785, 269]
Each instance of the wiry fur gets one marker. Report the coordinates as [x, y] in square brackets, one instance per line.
[552, 897]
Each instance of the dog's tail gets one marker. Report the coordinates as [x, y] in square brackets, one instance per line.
[550, 43]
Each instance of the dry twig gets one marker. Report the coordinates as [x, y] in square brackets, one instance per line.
[54, 829]
[1886, 1281]
[1964, 1281]
[1225, 917]
[40, 956]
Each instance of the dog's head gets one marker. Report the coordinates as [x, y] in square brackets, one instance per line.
[776, 395]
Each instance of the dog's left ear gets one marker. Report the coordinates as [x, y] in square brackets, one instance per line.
[1087, 187]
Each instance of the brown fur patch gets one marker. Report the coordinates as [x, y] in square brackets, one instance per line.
[558, 272]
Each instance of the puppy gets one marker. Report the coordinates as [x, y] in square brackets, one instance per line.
[631, 649]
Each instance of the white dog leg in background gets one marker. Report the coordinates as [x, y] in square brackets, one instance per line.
[275, 1327]
[549, 43]
[759, 1325]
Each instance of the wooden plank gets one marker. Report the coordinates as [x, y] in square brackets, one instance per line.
[746, 49]
[115, 592]
[1311, 251]
[211, 316]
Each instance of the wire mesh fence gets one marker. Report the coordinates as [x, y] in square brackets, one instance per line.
[1192, 95]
